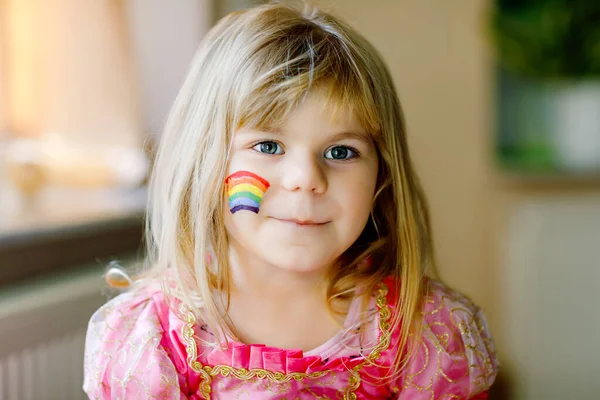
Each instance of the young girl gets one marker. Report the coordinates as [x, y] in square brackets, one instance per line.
[288, 236]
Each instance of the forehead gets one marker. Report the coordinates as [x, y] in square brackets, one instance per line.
[322, 109]
[317, 110]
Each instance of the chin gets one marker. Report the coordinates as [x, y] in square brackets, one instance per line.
[300, 261]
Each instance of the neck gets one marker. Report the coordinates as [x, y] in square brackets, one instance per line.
[279, 307]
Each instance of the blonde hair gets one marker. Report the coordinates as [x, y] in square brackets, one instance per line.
[252, 69]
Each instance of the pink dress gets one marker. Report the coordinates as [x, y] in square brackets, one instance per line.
[137, 348]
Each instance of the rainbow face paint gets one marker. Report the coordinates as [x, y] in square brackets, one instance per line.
[245, 191]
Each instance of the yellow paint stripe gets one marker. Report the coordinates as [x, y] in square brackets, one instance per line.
[245, 187]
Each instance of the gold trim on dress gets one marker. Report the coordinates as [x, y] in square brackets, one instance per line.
[207, 372]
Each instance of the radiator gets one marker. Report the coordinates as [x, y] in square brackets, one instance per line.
[42, 334]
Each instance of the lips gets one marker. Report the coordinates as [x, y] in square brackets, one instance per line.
[302, 222]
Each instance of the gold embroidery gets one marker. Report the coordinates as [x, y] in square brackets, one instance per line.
[384, 342]
[207, 372]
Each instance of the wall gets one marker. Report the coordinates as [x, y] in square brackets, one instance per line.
[163, 41]
[224, 7]
[550, 282]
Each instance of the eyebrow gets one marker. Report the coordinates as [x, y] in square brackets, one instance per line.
[362, 137]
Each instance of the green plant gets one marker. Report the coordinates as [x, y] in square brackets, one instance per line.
[547, 39]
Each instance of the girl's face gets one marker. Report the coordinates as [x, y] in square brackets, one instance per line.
[322, 175]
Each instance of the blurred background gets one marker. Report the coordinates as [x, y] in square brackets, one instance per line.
[502, 100]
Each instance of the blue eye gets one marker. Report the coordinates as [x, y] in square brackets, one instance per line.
[340, 153]
[268, 148]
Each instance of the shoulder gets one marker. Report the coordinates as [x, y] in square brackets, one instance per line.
[453, 354]
[126, 352]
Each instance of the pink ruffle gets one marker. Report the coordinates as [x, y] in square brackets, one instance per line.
[257, 356]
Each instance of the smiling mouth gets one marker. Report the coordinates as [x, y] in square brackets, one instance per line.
[303, 223]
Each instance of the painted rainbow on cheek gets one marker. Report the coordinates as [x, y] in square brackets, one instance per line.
[245, 191]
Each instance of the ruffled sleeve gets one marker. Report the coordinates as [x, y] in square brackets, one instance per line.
[124, 357]
[455, 356]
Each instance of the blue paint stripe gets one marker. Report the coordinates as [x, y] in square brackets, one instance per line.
[243, 201]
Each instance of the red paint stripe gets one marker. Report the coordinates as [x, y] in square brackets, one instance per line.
[245, 179]
[248, 174]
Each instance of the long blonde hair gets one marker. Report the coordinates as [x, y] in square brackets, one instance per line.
[252, 69]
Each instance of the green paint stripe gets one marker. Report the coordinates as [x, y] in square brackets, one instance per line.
[245, 194]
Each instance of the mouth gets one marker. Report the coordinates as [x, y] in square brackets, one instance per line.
[302, 223]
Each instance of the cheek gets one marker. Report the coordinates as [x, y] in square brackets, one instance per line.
[239, 221]
[356, 203]
[245, 191]
[242, 227]
[357, 194]
[355, 210]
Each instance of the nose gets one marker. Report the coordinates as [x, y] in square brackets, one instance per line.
[304, 172]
